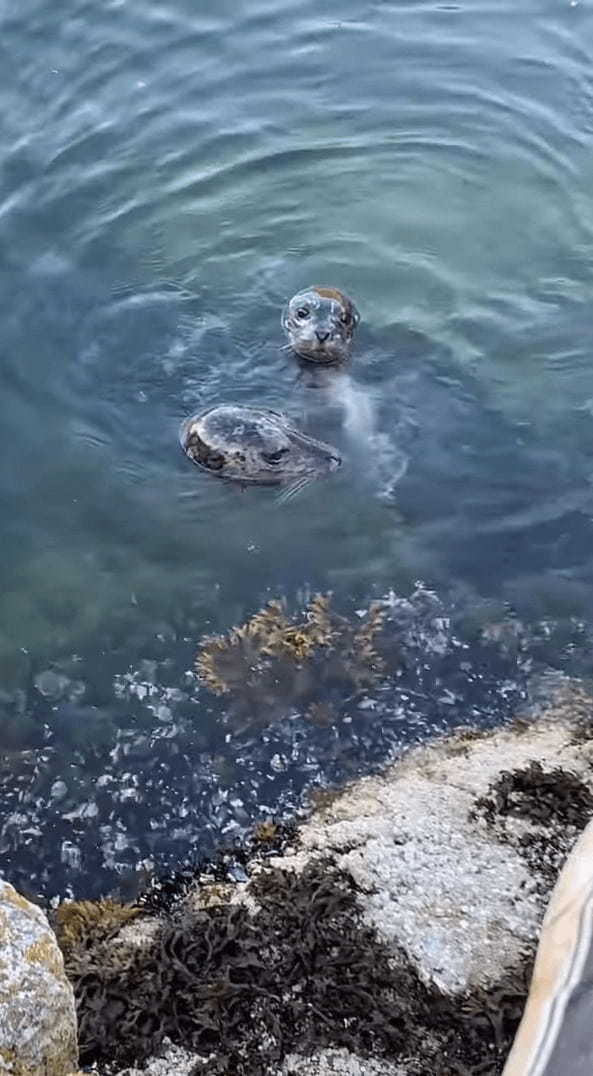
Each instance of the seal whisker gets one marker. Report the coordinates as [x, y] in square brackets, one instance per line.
[292, 490]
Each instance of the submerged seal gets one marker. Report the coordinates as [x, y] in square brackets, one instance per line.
[319, 323]
[256, 446]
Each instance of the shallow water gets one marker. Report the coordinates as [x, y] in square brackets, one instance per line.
[169, 178]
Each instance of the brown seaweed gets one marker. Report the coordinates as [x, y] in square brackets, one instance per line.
[554, 797]
[80, 921]
[274, 660]
[303, 973]
[556, 804]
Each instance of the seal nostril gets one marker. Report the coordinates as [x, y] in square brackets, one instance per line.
[322, 336]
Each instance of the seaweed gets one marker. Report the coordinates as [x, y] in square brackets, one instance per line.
[554, 797]
[556, 804]
[274, 660]
[302, 973]
[165, 892]
[80, 922]
[267, 832]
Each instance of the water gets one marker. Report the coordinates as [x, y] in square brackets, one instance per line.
[169, 178]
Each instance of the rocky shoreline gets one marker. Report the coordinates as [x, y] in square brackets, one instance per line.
[391, 934]
[117, 766]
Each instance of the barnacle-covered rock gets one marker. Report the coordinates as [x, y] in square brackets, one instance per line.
[37, 1015]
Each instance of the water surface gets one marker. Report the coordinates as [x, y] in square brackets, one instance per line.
[169, 178]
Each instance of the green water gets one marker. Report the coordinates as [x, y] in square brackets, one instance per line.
[170, 177]
[171, 174]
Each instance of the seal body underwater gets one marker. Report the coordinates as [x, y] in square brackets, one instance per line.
[255, 446]
[320, 323]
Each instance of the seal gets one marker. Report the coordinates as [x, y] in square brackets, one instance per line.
[255, 446]
[319, 323]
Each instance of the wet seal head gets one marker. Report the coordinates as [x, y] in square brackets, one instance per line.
[255, 446]
[319, 323]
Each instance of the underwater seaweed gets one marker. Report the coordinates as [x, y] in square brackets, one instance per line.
[266, 832]
[165, 892]
[276, 661]
[322, 714]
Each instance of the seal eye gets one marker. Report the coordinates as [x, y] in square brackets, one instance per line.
[275, 457]
[302, 313]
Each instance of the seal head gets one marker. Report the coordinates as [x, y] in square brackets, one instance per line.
[255, 446]
[319, 323]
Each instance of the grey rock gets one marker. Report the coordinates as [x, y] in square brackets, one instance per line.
[337, 1063]
[436, 882]
[51, 685]
[70, 854]
[173, 1061]
[37, 1014]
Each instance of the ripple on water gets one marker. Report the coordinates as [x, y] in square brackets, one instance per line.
[171, 175]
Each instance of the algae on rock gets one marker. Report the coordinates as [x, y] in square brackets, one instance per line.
[74, 921]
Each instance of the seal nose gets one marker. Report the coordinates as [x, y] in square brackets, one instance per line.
[321, 335]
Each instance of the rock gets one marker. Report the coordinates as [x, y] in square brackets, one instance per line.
[420, 892]
[461, 897]
[37, 1014]
[460, 904]
[173, 1061]
[50, 684]
[337, 1063]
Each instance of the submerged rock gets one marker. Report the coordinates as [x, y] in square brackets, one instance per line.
[37, 1015]
[51, 684]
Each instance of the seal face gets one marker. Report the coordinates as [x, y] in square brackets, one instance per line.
[256, 446]
[319, 323]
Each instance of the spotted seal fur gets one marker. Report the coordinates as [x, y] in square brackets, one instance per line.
[320, 323]
[255, 446]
